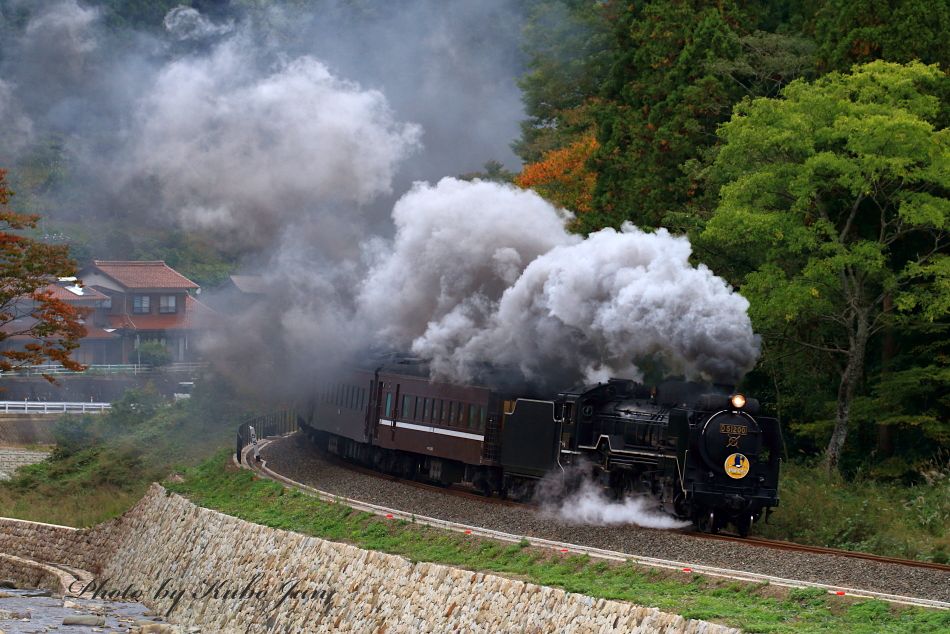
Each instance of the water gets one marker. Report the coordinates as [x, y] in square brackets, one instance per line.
[47, 612]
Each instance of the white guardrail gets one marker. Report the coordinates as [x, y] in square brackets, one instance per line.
[114, 368]
[52, 407]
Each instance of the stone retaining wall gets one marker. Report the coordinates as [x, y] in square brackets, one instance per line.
[175, 552]
[12, 459]
[24, 573]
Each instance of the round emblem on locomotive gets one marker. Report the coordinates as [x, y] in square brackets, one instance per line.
[737, 466]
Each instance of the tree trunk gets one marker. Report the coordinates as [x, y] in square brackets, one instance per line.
[885, 433]
[846, 388]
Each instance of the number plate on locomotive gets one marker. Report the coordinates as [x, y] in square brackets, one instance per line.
[733, 430]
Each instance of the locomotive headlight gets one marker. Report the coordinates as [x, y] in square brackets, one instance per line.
[738, 401]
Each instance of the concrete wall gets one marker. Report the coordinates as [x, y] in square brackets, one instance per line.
[176, 552]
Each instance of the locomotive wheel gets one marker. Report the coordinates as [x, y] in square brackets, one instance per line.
[708, 523]
[744, 525]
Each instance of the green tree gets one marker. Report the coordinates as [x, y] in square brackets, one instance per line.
[856, 31]
[837, 197]
[661, 105]
[568, 49]
[154, 353]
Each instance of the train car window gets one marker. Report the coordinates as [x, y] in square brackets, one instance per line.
[463, 418]
[441, 417]
[483, 415]
[389, 404]
[425, 410]
[416, 412]
[406, 409]
[472, 416]
[451, 416]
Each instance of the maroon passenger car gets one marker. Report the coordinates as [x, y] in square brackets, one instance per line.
[396, 419]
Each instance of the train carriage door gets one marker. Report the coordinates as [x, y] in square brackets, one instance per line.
[392, 407]
[376, 405]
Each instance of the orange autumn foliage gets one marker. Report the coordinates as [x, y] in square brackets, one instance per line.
[35, 326]
[562, 176]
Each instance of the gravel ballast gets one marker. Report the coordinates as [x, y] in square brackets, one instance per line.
[294, 457]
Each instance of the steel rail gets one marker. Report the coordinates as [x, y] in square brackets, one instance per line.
[568, 548]
[761, 542]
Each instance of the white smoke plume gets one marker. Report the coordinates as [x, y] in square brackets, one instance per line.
[17, 128]
[236, 150]
[590, 505]
[481, 272]
[248, 132]
[186, 23]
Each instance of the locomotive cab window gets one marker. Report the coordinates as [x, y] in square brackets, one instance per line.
[389, 404]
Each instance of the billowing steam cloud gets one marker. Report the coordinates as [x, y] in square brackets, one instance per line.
[248, 132]
[589, 505]
[237, 150]
[482, 272]
[185, 23]
[17, 129]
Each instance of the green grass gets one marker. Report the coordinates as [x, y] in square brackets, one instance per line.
[891, 519]
[753, 607]
[103, 464]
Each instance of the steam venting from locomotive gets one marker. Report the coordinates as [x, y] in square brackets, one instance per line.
[568, 496]
[482, 272]
[276, 152]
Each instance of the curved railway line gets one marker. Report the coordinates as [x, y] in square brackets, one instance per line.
[943, 602]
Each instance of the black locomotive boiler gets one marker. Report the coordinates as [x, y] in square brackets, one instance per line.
[702, 452]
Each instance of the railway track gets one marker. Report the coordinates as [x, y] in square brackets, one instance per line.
[751, 541]
[821, 550]
[611, 555]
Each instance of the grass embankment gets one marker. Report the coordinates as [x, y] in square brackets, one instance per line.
[755, 608]
[103, 464]
[891, 519]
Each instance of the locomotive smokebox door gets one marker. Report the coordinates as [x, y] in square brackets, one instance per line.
[530, 438]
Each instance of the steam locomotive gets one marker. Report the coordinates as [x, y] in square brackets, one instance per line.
[702, 452]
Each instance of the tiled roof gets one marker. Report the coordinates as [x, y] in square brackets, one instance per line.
[144, 274]
[70, 294]
[25, 323]
[95, 332]
[196, 316]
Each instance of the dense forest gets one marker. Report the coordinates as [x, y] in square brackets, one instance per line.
[801, 145]
[803, 148]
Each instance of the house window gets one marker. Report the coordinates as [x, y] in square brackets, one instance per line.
[141, 304]
[166, 304]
